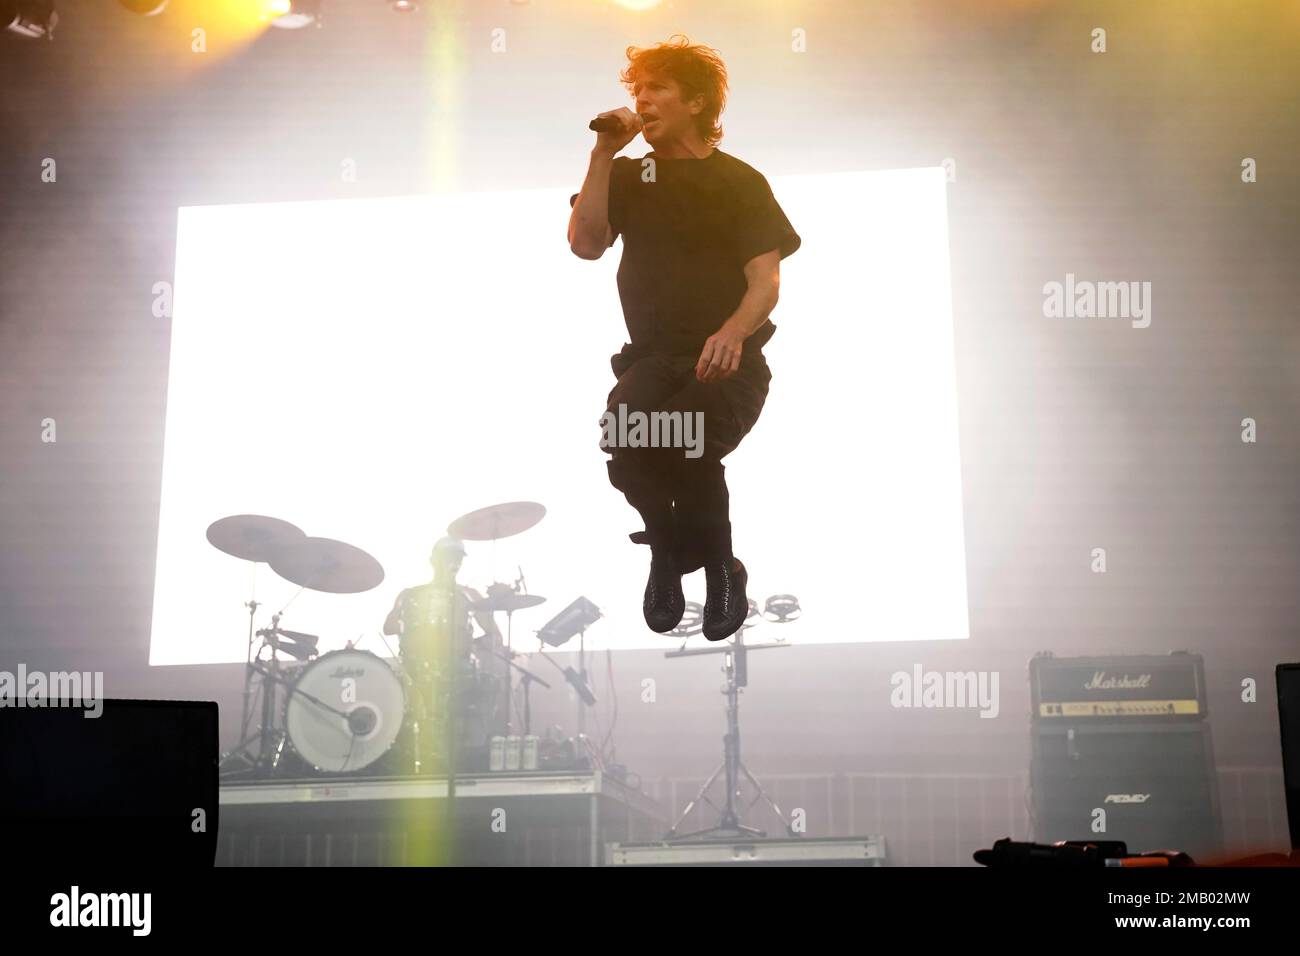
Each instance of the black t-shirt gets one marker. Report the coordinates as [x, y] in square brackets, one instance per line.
[423, 615]
[687, 235]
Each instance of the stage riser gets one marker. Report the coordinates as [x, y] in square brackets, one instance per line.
[523, 820]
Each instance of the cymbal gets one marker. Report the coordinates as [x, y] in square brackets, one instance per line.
[323, 564]
[497, 521]
[253, 537]
[507, 601]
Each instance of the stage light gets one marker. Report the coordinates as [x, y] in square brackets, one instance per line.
[294, 14]
[578, 616]
[145, 8]
[29, 18]
[405, 6]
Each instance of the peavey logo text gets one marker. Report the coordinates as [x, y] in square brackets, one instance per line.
[1101, 682]
[1127, 798]
[102, 909]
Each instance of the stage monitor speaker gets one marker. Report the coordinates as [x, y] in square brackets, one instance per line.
[1288, 713]
[135, 787]
[1152, 784]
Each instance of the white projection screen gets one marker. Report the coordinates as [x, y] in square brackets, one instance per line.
[370, 369]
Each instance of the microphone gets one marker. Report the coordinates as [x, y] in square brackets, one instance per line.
[607, 124]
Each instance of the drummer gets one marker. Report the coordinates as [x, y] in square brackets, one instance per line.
[411, 615]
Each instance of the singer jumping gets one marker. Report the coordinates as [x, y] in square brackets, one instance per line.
[703, 238]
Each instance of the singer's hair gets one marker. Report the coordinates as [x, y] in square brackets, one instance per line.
[697, 69]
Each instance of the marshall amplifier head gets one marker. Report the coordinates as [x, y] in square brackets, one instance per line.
[1167, 687]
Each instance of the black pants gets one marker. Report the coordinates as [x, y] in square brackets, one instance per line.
[682, 500]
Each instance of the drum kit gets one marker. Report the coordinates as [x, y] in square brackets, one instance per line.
[346, 710]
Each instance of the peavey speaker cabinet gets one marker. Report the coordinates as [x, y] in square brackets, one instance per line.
[1122, 751]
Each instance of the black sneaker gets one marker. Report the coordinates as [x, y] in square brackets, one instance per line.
[664, 602]
[726, 606]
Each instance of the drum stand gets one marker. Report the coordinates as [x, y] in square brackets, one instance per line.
[509, 681]
[269, 737]
[268, 753]
[452, 697]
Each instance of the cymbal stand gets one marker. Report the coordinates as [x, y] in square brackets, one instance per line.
[240, 749]
[578, 683]
[509, 681]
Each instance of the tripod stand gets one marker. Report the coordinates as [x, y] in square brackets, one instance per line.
[270, 739]
[735, 666]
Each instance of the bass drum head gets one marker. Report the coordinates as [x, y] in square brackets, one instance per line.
[371, 700]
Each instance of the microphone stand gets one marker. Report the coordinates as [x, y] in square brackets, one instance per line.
[736, 667]
[452, 626]
[245, 738]
[528, 678]
[582, 676]
[581, 689]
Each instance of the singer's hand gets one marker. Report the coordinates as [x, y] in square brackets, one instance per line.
[721, 355]
[612, 142]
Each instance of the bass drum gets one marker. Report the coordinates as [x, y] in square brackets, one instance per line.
[344, 711]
